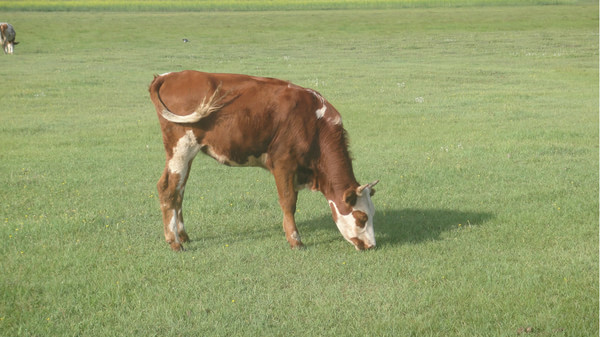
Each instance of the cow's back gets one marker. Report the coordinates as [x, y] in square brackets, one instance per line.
[257, 116]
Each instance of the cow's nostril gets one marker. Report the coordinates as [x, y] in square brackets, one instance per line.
[358, 243]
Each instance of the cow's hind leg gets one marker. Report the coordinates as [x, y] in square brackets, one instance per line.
[171, 187]
[171, 199]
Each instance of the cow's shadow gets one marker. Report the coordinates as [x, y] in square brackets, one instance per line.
[396, 227]
[392, 227]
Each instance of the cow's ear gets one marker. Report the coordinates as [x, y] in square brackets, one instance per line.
[350, 197]
[372, 193]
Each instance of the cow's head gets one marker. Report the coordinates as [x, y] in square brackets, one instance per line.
[353, 216]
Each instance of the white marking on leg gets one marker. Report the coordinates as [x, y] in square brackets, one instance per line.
[186, 149]
[173, 226]
[180, 226]
[296, 236]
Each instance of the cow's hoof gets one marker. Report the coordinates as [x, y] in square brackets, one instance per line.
[297, 246]
[183, 237]
[177, 247]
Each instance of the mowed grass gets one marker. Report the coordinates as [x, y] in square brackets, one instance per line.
[253, 5]
[481, 123]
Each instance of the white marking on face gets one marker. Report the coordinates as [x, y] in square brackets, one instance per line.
[186, 149]
[347, 225]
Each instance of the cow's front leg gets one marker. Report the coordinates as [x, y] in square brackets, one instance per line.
[284, 179]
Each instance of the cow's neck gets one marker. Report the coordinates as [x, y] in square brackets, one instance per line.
[335, 170]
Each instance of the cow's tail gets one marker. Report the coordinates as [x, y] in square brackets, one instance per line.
[208, 105]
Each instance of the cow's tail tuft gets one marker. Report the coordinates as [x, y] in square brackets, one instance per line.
[208, 105]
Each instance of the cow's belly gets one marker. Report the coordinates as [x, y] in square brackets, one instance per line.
[239, 160]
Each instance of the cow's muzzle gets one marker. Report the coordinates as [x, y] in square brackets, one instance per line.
[361, 245]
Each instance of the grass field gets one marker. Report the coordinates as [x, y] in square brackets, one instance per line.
[254, 5]
[480, 122]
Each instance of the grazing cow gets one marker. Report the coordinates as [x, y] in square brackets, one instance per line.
[7, 36]
[242, 120]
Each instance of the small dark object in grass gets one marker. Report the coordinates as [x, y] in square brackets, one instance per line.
[522, 330]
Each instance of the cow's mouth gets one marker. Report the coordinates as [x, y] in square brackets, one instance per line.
[360, 244]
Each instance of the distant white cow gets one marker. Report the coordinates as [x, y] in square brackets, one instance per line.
[7, 37]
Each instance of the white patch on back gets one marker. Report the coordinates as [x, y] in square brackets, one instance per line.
[164, 74]
[321, 111]
[186, 149]
[337, 120]
[333, 118]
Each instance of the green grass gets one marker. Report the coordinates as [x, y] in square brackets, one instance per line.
[480, 122]
[253, 5]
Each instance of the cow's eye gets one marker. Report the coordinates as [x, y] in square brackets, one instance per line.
[361, 218]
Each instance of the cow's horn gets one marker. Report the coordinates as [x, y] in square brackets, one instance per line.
[361, 188]
[373, 183]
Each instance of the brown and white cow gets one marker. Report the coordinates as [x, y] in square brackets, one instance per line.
[242, 120]
[7, 37]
